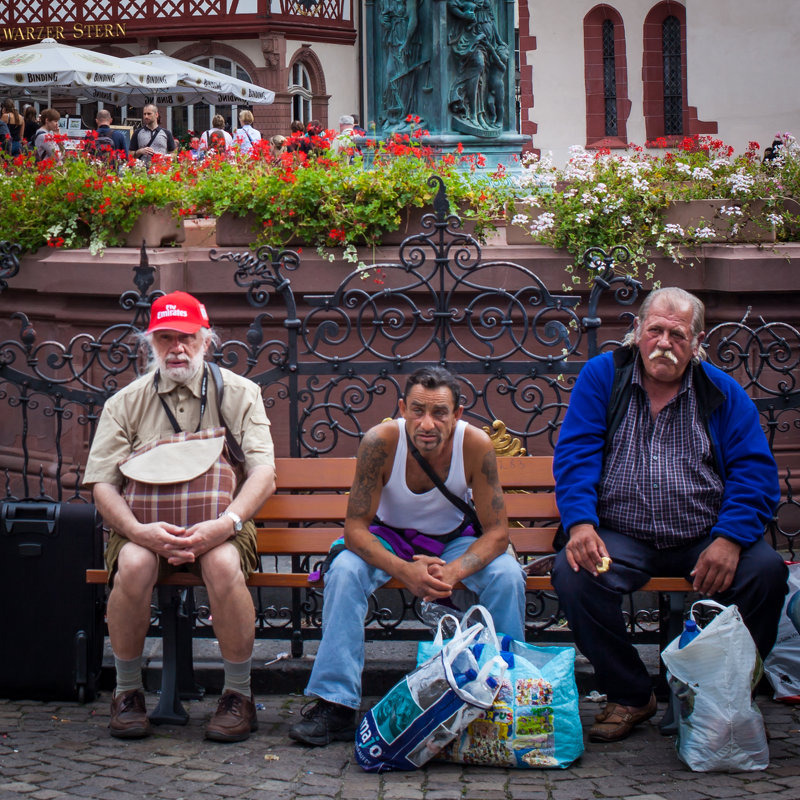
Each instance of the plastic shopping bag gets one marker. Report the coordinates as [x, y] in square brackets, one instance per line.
[534, 720]
[719, 725]
[782, 665]
[429, 707]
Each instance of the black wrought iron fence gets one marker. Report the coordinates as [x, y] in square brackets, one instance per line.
[332, 365]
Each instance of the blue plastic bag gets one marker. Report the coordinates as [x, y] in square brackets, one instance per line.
[429, 707]
[534, 721]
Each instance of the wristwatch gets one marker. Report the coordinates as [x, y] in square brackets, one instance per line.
[237, 520]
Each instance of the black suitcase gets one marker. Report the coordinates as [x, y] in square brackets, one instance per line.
[52, 631]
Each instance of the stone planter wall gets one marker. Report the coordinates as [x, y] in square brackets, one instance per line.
[156, 227]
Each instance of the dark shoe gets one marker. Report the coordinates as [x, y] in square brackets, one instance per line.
[540, 566]
[617, 721]
[129, 715]
[323, 723]
[234, 720]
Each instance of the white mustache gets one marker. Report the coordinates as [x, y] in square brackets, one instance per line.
[658, 352]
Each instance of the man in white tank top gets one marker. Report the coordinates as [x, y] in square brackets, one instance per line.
[400, 525]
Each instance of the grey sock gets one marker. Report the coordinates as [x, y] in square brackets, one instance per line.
[237, 676]
[129, 674]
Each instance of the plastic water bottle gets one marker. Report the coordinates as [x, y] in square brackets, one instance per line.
[793, 610]
[690, 630]
[463, 678]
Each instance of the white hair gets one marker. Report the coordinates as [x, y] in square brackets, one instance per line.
[346, 119]
[144, 339]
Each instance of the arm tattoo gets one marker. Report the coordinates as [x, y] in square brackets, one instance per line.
[489, 470]
[472, 562]
[371, 458]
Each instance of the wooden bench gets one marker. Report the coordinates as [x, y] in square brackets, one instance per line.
[305, 515]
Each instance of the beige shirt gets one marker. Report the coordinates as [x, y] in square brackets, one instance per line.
[134, 417]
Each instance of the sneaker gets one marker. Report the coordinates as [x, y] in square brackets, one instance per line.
[324, 722]
[234, 720]
[129, 715]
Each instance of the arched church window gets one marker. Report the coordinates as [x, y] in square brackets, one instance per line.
[673, 79]
[300, 91]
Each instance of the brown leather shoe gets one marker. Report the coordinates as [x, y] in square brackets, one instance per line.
[234, 720]
[617, 721]
[129, 715]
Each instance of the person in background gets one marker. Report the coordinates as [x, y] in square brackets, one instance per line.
[104, 141]
[357, 129]
[216, 139]
[313, 141]
[197, 153]
[343, 141]
[46, 139]
[151, 138]
[277, 147]
[246, 135]
[15, 122]
[5, 138]
[31, 125]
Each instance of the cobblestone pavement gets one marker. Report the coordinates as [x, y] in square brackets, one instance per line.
[63, 750]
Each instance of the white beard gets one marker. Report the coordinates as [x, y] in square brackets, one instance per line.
[184, 373]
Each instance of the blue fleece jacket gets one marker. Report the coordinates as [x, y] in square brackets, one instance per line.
[743, 458]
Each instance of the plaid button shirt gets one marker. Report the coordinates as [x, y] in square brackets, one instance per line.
[659, 479]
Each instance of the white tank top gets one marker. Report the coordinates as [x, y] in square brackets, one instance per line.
[430, 512]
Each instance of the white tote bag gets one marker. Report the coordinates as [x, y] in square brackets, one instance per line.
[719, 727]
[782, 665]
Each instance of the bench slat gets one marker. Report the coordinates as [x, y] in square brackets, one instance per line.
[333, 507]
[300, 580]
[319, 474]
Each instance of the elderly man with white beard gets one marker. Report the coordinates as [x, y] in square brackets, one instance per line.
[661, 469]
[179, 394]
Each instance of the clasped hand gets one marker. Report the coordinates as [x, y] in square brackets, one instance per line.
[429, 577]
[184, 545]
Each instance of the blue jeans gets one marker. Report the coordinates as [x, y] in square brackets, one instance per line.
[350, 581]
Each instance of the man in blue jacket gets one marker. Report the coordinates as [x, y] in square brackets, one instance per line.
[661, 466]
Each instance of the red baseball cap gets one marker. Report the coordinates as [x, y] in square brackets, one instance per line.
[178, 311]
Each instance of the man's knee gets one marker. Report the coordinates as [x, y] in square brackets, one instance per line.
[136, 569]
[506, 572]
[221, 568]
[762, 571]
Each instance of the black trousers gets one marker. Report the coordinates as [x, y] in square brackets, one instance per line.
[594, 605]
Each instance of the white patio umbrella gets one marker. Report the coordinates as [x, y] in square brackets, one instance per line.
[48, 65]
[195, 84]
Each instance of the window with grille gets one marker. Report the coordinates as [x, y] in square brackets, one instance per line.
[673, 81]
[300, 90]
[609, 78]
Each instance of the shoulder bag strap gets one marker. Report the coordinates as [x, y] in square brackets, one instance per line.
[234, 448]
[153, 135]
[170, 416]
[462, 505]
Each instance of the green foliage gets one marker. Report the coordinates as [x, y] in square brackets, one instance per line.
[604, 198]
